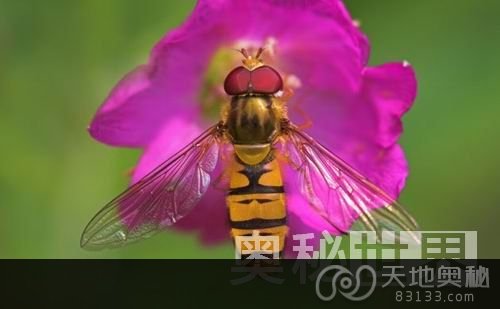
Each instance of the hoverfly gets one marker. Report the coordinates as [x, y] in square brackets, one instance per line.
[255, 126]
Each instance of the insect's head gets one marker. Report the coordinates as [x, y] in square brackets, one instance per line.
[253, 77]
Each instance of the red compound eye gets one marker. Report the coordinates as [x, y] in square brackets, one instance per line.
[266, 80]
[237, 81]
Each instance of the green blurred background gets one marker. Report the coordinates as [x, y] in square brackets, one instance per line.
[59, 59]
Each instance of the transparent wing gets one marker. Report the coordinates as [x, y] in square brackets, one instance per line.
[341, 195]
[158, 200]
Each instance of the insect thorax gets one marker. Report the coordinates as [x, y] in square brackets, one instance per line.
[251, 120]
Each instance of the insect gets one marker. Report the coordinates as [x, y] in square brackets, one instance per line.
[255, 127]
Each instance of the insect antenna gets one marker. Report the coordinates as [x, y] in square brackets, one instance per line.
[244, 52]
[259, 53]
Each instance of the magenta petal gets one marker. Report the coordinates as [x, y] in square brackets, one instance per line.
[171, 138]
[359, 37]
[302, 219]
[371, 145]
[112, 123]
[326, 51]
[391, 89]
[151, 95]
[209, 217]
[388, 171]
[138, 106]
[387, 168]
[363, 129]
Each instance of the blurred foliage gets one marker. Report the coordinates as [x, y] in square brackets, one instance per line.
[59, 59]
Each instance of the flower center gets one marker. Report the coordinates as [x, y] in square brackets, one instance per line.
[212, 94]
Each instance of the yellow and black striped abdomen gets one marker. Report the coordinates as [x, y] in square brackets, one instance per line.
[256, 199]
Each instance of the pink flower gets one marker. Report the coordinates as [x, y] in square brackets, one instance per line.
[355, 110]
